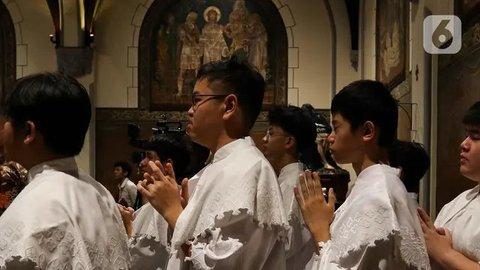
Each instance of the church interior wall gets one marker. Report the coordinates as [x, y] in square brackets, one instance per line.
[309, 73]
[314, 75]
[116, 44]
[33, 24]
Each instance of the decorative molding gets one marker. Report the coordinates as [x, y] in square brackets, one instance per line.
[108, 114]
[136, 115]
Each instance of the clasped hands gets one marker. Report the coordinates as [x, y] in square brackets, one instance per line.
[317, 212]
[160, 188]
[438, 240]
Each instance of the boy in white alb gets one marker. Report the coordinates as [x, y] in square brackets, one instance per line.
[232, 220]
[289, 146]
[453, 242]
[63, 218]
[377, 226]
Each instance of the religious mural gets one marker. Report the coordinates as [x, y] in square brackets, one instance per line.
[193, 33]
[392, 35]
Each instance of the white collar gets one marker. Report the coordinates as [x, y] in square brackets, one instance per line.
[124, 182]
[228, 148]
[288, 169]
[67, 165]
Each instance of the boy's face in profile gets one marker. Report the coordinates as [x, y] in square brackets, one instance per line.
[470, 153]
[150, 155]
[118, 173]
[346, 145]
[273, 143]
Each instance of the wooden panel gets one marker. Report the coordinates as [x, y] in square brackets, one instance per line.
[112, 145]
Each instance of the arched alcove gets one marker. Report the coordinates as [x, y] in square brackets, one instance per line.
[157, 92]
[7, 51]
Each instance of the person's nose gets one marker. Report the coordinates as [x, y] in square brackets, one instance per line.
[331, 138]
[265, 138]
[465, 145]
[190, 111]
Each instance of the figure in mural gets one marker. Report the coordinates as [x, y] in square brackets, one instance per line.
[240, 8]
[392, 41]
[257, 43]
[235, 30]
[212, 40]
[189, 37]
[391, 51]
[167, 59]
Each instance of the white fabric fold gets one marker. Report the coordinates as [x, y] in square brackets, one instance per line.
[461, 216]
[299, 247]
[63, 219]
[238, 198]
[376, 227]
[149, 244]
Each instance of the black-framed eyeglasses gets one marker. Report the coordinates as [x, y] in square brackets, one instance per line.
[196, 101]
[270, 133]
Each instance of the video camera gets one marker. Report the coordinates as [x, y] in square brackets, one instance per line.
[162, 127]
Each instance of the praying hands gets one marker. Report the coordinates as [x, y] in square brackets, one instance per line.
[440, 248]
[317, 212]
[161, 190]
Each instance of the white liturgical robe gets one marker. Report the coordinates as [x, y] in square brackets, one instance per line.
[377, 227]
[300, 246]
[149, 244]
[234, 218]
[462, 217]
[63, 219]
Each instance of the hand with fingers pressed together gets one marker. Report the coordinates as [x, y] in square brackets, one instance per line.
[127, 218]
[161, 190]
[317, 212]
[440, 248]
[438, 240]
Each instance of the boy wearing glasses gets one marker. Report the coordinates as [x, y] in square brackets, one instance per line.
[289, 146]
[232, 219]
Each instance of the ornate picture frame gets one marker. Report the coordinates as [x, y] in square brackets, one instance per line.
[392, 42]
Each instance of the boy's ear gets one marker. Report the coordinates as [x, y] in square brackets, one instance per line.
[290, 142]
[231, 104]
[369, 130]
[30, 132]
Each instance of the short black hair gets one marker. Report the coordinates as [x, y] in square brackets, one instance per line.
[413, 161]
[57, 104]
[472, 116]
[240, 79]
[126, 167]
[298, 123]
[368, 100]
[172, 146]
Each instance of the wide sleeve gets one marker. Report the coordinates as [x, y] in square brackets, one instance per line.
[300, 245]
[384, 255]
[238, 244]
[51, 247]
